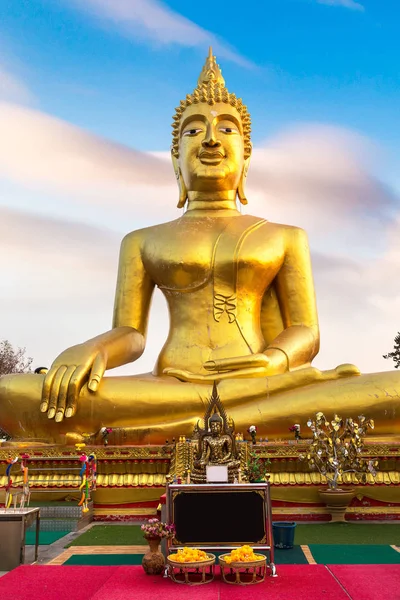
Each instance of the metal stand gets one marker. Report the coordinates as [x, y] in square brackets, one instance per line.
[13, 526]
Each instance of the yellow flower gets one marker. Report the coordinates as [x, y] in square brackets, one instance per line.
[189, 555]
[243, 554]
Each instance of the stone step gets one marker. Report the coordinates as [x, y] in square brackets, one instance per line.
[63, 518]
[61, 512]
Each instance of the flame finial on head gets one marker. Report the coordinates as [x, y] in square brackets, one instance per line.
[211, 71]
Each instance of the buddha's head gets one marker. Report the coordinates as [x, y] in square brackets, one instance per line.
[211, 138]
[215, 423]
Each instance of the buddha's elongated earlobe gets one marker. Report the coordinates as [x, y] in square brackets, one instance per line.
[183, 195]
[242, 183]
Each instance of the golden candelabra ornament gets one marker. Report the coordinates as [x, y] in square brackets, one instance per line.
[242, 309]
[336, 449]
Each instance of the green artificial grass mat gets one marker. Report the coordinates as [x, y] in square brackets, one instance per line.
[325, 554]
[289, 556]
[354, 555]
[348, 533]
[293, 556]
[111, 535]
[45, 537]
[105, 559]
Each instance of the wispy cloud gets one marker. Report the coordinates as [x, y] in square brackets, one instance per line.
[352, 4]
[51, 240]
[313, 169]
[12, 88]
[38, 149]
[152, 20]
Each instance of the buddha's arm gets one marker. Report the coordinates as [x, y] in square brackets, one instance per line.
[122, 344]
[228, 445]
[294, 286]
[205, 455]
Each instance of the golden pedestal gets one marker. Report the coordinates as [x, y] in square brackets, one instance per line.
[336, 502]
[131, 479]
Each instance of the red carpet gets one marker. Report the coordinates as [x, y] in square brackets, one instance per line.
[34, 582]
[131, 583]
[369, 582]
[295, 582]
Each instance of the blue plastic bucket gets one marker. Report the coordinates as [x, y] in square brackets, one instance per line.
[283, 534]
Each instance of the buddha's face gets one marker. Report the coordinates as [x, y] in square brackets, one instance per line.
[216, 428]
[211, 151]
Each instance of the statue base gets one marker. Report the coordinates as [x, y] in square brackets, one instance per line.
[131, 479]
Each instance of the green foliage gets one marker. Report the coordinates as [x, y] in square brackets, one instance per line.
[256, 468]
[395, 355]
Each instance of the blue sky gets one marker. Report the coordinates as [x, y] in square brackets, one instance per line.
[87, 92]
[313, 61]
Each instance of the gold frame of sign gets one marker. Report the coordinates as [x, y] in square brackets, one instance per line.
[191, 491]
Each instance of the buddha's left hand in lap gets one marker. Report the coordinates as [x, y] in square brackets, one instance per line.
[272, 362]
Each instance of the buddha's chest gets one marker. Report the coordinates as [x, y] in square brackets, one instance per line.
[186, 257]
[217, 445]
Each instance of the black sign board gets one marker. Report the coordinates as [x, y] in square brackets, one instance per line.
[220, 514]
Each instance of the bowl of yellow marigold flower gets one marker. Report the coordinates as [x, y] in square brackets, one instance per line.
[242, 566]
[191, 565]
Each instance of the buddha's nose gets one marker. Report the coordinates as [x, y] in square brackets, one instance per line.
[211, 140]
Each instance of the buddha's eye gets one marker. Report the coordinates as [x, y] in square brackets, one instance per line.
[228, 130]
[192, 132]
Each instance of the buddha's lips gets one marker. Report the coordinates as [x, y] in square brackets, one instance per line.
[211, 157]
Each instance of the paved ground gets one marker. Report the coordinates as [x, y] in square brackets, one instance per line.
[51, 551]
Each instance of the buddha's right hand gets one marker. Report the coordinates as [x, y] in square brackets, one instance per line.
[66, 377]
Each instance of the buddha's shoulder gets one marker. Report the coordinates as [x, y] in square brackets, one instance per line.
[139, 236]
[291, 231]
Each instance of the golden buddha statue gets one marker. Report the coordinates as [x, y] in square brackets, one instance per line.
[242, 311]
[216, 443]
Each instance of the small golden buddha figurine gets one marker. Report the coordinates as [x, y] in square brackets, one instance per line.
[216, 443]
[242, 311]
